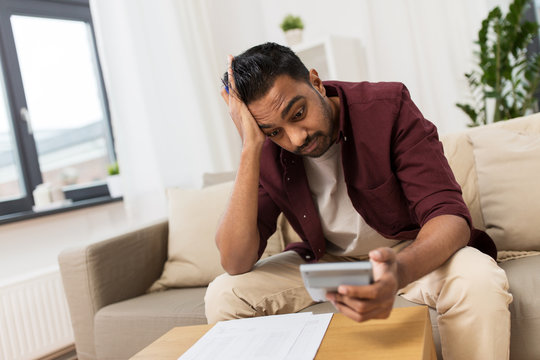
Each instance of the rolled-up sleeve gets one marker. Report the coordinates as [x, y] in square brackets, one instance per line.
[426, 178]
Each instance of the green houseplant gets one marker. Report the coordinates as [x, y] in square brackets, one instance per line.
[114, 181]
[291, 22]
[113, 169]
[504, 82]
[293, 27]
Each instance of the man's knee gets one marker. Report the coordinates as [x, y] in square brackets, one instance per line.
[221, 302]
[274, 286]
[476, 279]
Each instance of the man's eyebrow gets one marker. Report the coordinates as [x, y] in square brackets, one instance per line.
[290, 105]
[284, 112]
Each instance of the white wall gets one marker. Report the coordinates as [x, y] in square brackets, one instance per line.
[235, 26]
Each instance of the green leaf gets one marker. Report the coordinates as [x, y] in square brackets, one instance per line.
[473, 115]
[505, 72]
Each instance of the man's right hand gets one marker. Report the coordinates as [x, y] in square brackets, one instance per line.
[245, 123]
[237, 237]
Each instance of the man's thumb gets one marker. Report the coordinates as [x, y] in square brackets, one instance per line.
[381, 254]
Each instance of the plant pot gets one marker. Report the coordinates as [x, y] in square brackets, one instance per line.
[293, 37]
[114, 183]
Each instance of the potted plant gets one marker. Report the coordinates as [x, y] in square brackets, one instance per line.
[293, 28]
[504, 83]
[114, 182]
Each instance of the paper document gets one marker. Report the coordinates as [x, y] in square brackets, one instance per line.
[310, 338]
[287, 337]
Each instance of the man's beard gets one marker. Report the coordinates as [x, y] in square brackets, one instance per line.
[320, 135]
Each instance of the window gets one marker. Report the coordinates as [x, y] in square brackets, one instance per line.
[54, 118]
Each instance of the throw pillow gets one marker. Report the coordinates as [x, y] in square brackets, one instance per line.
[508, 170]
[193, 258]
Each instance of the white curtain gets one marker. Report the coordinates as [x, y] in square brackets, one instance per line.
[163, 85]
[429, 46]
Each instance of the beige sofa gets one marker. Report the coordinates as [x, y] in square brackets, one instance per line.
[114, 317]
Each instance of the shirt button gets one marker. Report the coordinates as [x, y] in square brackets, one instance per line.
[292, 161]
[288, 179]
[345, 138]
[305, 216]
[308, 257]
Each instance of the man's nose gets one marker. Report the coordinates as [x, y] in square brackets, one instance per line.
[297, 136]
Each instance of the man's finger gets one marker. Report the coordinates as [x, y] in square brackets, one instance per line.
[359, 306]
[230, 74]
[382, 254]
[373, 313]
[225, 96]
[360, 292]
[368, 310]
[348, 312]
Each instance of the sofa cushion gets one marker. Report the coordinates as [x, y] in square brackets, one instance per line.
[193, 258]
[508, 171]
[525, 309]
[459, 152]
[458, 149]
[124, 328]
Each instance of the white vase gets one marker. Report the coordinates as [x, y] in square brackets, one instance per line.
[293, 37]
[114, 183]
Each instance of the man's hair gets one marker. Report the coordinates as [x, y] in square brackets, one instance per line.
[256, 69]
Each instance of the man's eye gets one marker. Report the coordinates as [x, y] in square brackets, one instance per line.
[299, 114]
[273, 133]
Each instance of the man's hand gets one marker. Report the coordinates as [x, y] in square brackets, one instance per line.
[237, 237]
[436, 242]
[246, 125]
[374, 301]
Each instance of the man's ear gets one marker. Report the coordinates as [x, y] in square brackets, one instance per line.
[316, 81]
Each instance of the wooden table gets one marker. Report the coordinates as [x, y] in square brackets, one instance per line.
[406, 334]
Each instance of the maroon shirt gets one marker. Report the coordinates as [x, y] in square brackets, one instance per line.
[396, 173]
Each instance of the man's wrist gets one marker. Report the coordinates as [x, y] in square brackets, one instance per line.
[252, 147]
[401, 273]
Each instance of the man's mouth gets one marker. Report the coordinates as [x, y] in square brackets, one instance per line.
[310, 147]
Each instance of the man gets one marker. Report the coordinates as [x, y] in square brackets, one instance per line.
[359, 173]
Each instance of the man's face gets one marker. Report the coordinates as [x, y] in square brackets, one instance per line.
[296, 116]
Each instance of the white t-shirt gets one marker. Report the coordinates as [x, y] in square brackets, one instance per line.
[344, 228]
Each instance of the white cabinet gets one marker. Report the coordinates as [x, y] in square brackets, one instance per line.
[334, 58]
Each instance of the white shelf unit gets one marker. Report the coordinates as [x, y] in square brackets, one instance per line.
[334, 58]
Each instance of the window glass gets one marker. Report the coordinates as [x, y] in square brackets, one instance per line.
[63, 94]
[11, 185]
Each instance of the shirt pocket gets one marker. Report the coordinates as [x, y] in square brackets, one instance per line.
[386, 207]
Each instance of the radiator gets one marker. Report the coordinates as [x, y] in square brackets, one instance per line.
[34, 317]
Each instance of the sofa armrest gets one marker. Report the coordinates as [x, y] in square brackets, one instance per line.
[110, 271]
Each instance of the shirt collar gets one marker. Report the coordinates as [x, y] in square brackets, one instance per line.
[333, 89]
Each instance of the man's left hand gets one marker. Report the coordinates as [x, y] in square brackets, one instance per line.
[373, 301]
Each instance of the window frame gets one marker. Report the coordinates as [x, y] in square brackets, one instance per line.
[25, 145]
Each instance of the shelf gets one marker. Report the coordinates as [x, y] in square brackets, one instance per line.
[334, 57]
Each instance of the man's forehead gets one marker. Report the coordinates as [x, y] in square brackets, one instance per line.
[277, 102]
[268, 106]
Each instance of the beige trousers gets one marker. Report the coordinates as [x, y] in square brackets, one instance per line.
[469, 293]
